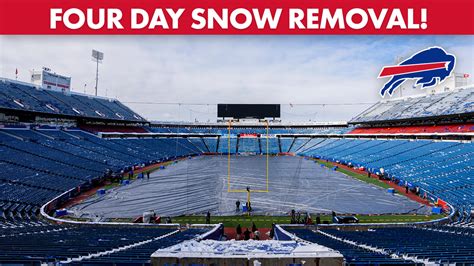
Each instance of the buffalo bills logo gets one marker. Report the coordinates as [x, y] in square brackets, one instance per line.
[428, 67]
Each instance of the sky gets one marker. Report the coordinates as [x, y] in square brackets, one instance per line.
[181, 78]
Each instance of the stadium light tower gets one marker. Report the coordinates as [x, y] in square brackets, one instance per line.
[97, 57]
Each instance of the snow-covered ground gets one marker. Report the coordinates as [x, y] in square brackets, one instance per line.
[198, 185]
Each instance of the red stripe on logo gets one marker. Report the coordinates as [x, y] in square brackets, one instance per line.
[397, 70]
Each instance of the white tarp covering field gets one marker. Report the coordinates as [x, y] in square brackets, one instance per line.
[198, 185]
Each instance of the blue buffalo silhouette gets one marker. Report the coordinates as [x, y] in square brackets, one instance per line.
[426, 78]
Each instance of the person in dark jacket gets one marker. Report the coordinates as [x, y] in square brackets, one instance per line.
[256, 235]
[318, 219]
[254, 227]
[238, 232]
[272, 232]
[208, 217]
[293, 217]
[247, 234]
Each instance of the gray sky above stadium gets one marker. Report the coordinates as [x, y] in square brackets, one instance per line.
[143, 71]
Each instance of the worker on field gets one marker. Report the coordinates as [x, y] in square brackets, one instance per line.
[248, 204]
[208, 217]
[247, 234]
[238, 232]
[237, 205]
[305, 218]
[272, 232]
[293, 217]
[148, 175]
[256, 235]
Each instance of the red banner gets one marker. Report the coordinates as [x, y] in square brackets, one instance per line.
[441, 203]
[236, 17]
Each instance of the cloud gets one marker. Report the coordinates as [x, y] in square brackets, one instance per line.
[226, 69]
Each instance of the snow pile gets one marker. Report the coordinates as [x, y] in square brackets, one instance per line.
[233, 247]
[245, 249]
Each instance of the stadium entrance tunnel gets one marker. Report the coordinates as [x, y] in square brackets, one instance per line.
[199, 184]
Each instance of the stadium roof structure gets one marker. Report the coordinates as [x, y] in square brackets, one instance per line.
[249, 123]
[433, 136]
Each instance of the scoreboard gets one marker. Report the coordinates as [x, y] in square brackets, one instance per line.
[255, 111]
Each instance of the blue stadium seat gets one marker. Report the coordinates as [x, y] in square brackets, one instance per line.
[24, 97]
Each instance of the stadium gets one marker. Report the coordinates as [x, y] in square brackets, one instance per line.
[85, 180]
